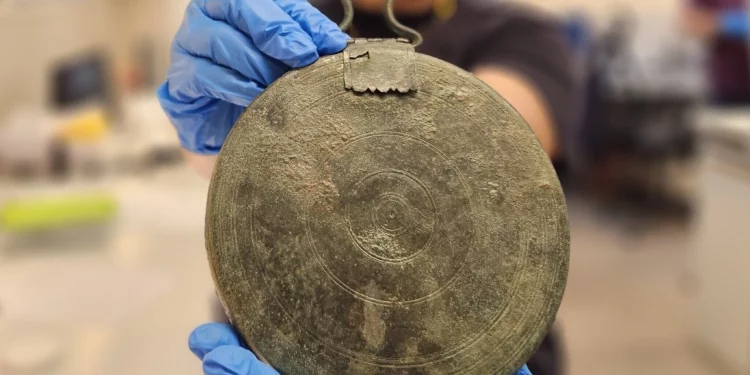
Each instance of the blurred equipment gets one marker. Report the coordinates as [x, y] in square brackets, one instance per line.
[37, 214]
[88, 127]
[37, 145]
[26, 139]
[83, 80]
[638, 139]
[66, 138]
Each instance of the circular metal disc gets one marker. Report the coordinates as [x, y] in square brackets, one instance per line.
[419, 233]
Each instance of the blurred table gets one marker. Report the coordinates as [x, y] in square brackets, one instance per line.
[721, 257]
[118, 299]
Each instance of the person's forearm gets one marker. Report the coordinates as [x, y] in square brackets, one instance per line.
[706, 24]
[700, 23]
[526, 99]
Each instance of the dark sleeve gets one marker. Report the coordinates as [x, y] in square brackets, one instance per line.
[533, 44]
[705, 4]
[330, 8]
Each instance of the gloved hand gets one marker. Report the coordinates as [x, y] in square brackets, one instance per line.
[227, 52]
[219, 349]
[222, 354]
[735, 23]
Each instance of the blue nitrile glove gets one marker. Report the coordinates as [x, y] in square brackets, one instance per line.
[227, 52]
[222, 354]
[735, 23]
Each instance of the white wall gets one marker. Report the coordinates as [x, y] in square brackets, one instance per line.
[605, 7]
[36, 34]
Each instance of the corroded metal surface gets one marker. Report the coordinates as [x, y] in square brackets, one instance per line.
[418, 231]
[380, 66]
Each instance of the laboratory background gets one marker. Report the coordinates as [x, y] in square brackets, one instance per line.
[103, 268]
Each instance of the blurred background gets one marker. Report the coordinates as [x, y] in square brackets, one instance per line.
[102, 260]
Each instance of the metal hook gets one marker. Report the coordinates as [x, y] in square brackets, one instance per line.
[348, 15]
[405, 32]
[414, 37]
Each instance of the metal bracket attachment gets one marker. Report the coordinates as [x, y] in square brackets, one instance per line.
[380, 66]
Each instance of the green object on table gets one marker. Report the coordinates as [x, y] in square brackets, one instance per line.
[33, 214]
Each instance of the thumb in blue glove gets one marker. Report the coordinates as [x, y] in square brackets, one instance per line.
[222, 354]
[227, 52]
[220, 350]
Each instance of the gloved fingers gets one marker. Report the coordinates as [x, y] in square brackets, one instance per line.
[234, 360]
[324, 32]
[205, 37]
[192, 77]
[203, 125]
[208, 337]
[273, 31]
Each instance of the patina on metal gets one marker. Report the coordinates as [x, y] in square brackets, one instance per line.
[384, 212]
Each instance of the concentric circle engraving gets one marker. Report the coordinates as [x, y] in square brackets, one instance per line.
[389, 222]
[402, 216]
[393, 214]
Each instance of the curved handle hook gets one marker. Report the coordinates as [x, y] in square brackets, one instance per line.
[414, 37]
[405, 32]
[348, 15]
